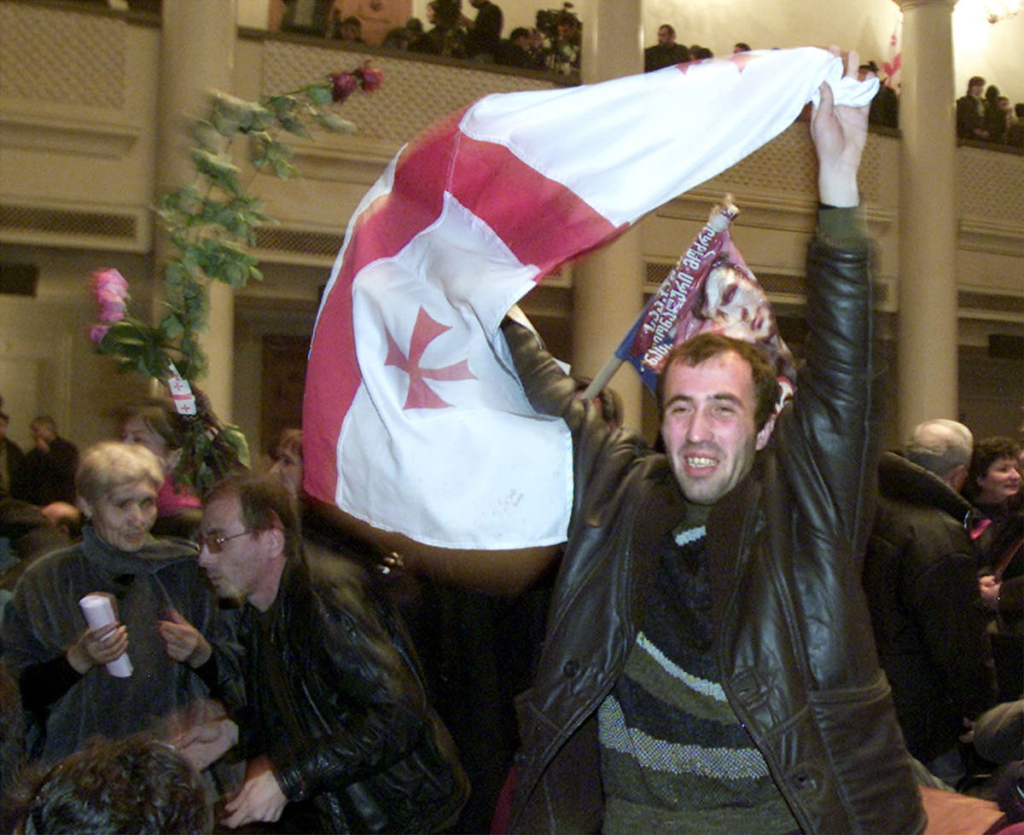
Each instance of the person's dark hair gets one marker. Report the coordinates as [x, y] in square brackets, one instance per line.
[414, 25]
[519, 32]
[567, 17]
[266, 503]
[352, 20]
[45, 421]
[290, 440]
[447, 12]
[136, 784]
[699, 53]
[974, 82]
[1018, 110]
[986, 452]
[992, 93]
[159, 414]
[744, 47]
[706, 346]
[671, 29]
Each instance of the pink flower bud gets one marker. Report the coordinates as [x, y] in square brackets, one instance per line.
[111, 280]
[97, 332]
[111, 292]
[112, 312]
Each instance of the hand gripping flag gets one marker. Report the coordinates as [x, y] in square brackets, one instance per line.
[710, 289]
[413, 419]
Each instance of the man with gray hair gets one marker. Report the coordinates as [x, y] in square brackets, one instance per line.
[943, 447]
[926, 612]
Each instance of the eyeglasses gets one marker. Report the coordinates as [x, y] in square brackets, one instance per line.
[216, 544]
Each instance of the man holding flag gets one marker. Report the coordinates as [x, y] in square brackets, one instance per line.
[709, 665]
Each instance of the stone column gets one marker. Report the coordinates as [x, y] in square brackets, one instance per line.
[608, 285]
[197, 50]
[927, 341]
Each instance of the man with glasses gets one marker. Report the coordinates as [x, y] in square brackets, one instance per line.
[336, 727]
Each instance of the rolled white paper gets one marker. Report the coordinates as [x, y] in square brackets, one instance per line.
[98, 612]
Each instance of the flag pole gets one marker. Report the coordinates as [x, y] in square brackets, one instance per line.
[603, 376]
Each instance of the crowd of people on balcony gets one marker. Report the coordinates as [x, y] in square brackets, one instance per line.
[552, 45]
[988, 116]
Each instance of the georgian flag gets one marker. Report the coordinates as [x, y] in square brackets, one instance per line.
[413, 418]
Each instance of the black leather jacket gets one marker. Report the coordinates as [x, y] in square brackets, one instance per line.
[920, 575]
[793, 637]
[338, 707]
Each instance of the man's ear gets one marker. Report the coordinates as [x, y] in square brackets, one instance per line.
[957, 477]
[85, 507]
[274, 540]
[764, 434]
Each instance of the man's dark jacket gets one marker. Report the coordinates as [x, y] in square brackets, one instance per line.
[14, 460]
[792, 633]
[486, 32]
[920, 576]
[337, 705]
[659, 56]
[49, 476]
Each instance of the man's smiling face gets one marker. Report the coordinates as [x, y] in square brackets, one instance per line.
[708, 425]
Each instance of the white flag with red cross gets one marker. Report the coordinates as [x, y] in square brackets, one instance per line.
[413, 418]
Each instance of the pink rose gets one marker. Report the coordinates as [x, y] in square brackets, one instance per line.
[110, 280]
[344, 85]
[111, 293]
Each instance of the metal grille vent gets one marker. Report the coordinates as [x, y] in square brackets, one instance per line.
[991, 302]
[276, 239]
[67, 222]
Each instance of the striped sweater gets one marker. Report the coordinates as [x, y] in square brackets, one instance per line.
[674, 757]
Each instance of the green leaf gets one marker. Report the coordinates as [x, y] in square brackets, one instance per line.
[283, 168]
[282, 105]
[205, 135]
[319, 95]
[334, 123]
[172, 327]
[262, 118]
[219, 168]
[293, 125]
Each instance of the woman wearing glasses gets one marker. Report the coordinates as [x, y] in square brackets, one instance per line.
[152, 584]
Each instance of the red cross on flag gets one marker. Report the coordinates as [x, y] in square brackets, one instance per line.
[413, 419]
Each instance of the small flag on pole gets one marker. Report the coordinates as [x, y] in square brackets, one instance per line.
[710, 289]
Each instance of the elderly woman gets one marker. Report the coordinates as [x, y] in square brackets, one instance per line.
[154, 424]
[60, 662]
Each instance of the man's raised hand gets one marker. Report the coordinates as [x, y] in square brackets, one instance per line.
[839, 133]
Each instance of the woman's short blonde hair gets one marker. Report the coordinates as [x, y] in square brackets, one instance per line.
[112, 464]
